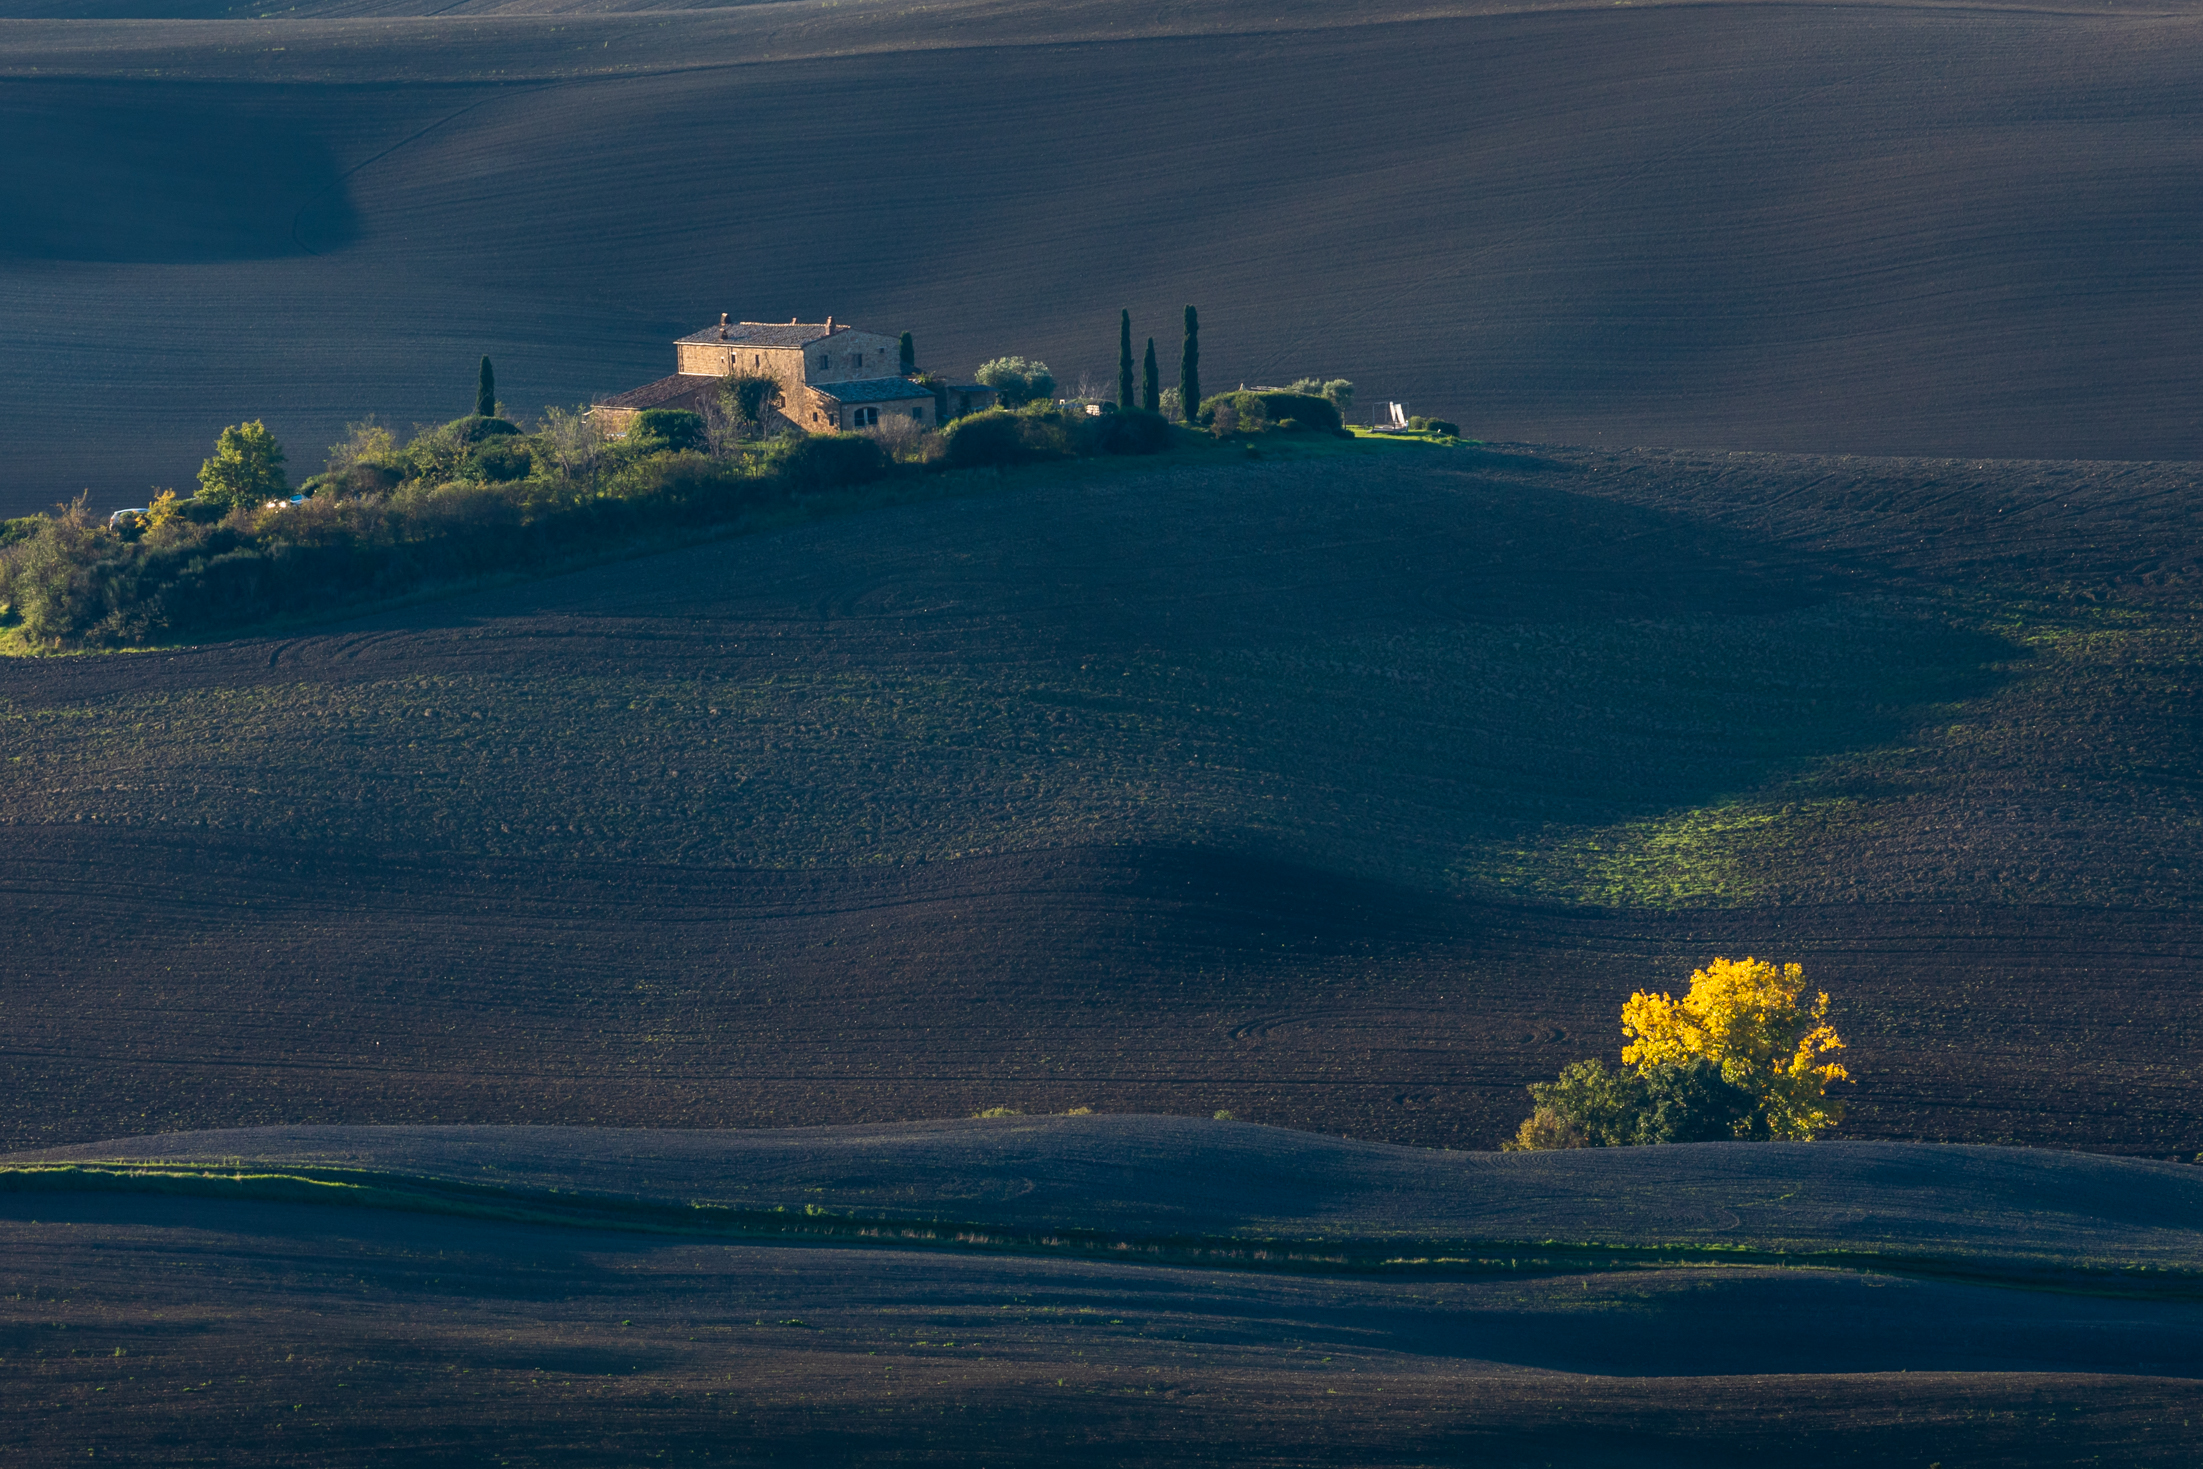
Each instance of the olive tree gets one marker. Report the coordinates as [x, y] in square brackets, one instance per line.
[1018, 381]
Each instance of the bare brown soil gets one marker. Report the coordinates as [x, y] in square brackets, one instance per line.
[1350, 793]
[179, 1330]
[1900, 229]
[2033, 1214]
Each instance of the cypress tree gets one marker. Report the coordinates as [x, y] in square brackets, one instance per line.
[910, 354]
[1124, 360]
[1151, 386]
[1189, 368]
[485, 393]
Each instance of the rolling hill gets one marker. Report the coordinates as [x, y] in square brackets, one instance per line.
[1015, 1291]
[1348, 791]
[1869, 228]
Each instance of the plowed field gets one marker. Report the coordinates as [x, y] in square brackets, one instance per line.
[1907, 229]
[166, 1329]
[1349, 793]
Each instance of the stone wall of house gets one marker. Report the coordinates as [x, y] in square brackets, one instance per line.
[826, 417]
[843, 357]
[724, 360]
[846, 356]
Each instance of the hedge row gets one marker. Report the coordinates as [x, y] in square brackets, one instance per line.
[473, 498]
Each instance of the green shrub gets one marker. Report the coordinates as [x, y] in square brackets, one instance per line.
[20, 529]
[1253, 412]
[475, 428]
[1442, 427]
[499, 460]
[1050, 432]
[1589, 1106]
[1238, 412]
[1311, 411]
[819, 462]
[666, 430]
[1136, 431]
[977, 440]
[1338, 392]
[366, 479]
[750, 398]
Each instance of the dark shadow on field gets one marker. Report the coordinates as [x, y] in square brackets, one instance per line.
[167, 173]
[1380, 633]
[404, 1268]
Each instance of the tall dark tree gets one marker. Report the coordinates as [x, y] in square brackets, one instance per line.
[485, 393]
[1189, 368]
[910, 354]
[1151, 384]
[1124, 360]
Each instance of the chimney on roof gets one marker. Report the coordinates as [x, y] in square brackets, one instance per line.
[829, 326]
[722, 326]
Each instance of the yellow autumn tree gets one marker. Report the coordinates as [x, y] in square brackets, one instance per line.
[1754, 1021]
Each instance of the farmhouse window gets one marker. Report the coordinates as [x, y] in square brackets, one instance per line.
[822, 359]
[867, 417]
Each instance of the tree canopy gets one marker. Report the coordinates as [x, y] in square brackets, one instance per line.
[1017, 380]
[1745, 1054]
[246, 469]
[1752, 1019]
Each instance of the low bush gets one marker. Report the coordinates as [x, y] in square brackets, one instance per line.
[500, 460]
[666, 430]
[993, 438]
[1310, 411]
[476, 428]
[1592, 1107]
[821, 462]
[1442, 427]
[1132, 431]
[1337, 391]
[357, 479]
[1251, 412]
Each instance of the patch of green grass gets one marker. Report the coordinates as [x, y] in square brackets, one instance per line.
[1699, 857]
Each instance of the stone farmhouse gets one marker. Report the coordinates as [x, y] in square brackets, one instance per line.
[833, 378]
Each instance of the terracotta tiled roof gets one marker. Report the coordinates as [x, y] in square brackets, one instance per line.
[762, 334]
[664, 390]
[871, 390]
